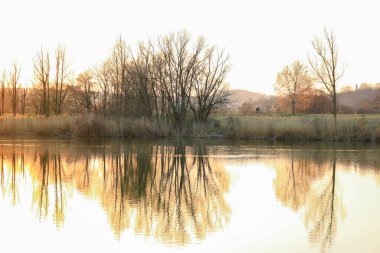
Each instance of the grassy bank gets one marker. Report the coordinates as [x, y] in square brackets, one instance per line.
[86, 125]
[304, 127]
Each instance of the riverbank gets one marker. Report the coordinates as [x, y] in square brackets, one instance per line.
[279, 127]
[305, 127]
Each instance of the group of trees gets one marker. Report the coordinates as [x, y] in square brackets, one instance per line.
[295, 81]
[10, 88]
[172, 78]
[46, 95]
[50, 93]
[168, 79]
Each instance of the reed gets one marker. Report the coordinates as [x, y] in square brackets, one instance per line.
[313, 127]
[84, 125]
[306, 127]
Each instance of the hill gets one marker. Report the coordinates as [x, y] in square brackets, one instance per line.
[239, 96]
[358, 98]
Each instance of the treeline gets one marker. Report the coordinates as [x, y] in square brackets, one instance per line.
[172, 79]
[365, 99]
[312, 86]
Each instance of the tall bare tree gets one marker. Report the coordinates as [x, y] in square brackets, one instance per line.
[293, 81]
[176, 65]
[119, 78]
[14, 76]
[325, 65]
[141, 80]
[41, 75]
[62, 75]
[210, 89]
[103, 75]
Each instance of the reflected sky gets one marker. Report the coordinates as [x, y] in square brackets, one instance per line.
[189, 196]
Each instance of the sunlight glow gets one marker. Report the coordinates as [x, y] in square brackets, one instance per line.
[260, 36]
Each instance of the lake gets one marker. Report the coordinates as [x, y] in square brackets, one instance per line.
[188, 196]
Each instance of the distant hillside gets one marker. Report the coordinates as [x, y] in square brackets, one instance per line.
[239, 96]
[365, 99]
[357, 98]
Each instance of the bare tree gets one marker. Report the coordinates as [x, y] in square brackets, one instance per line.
[325, 66]
[62, 74]
[2, 93]
[210, 89]
[24, 92]
[176, 66]
[103, 75]
[143, 89]
[41, 74]
[119, 78]
[146, 53]
[14, 76]
[86, 95]
[75, 94]
[293, 81]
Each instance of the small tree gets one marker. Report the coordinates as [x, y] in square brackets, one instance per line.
[325, 66]
[14, 76]
[293, 81]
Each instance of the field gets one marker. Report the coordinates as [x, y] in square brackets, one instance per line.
[263, 127]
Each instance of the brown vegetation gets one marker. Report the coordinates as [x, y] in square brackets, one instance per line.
[313, 127]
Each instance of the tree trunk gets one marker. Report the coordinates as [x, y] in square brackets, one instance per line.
[293, 107]
[334, 104]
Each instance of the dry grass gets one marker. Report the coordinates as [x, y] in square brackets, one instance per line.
[85, 125]
[307, 127]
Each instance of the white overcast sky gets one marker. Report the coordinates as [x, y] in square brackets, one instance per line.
[261, 37]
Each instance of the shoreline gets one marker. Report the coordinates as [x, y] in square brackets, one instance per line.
[308, 128]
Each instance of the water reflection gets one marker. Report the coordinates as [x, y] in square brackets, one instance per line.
[308, 183]
[174, 193]
[48, 175]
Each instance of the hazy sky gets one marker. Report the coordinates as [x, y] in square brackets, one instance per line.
[260, 36]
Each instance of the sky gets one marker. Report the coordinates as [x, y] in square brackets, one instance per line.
[261, 37]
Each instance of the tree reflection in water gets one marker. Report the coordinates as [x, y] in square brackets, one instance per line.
[309, 185]
[12, 168]
[174, 193]
[165, 192]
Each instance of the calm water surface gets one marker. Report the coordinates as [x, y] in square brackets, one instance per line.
[155, 196]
